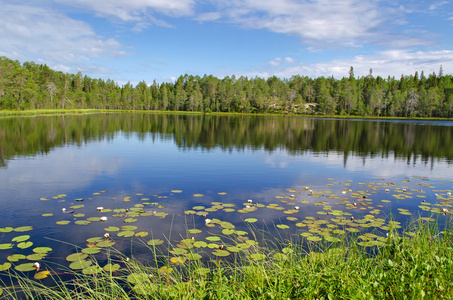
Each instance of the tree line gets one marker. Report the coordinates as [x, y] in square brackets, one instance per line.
[36, 86]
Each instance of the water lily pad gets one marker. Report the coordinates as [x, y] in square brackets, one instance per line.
[213, 238]
[79, 215]
[41, 275]
[178, 260]
[105, 244]
[142, 234]
[16, 257]
[5, 266]
[23, 228]
[36, 256]
[95, 239]
[176, 191]
[111, 268]
[197, 195]
[65, 222]
[129, 227]
[161, 214]
[250, 220]
[221, 253]
[200, 244]
[47, 215]
[130, 220]
[82, 222]
[20, 238]
[90, 270]
[6, 229]
[94, 219]
[257, 256]
[112, 228]
[77, 206]
[126, 233]
[155, 242]
[76, 256]
[24, 245]
[193, 256]
[194, 231]
[92, 250]
[80, 264]
[26, 267]
[202, 271]
[280, 257]
[227, 231]
[282, 226]
[314, 238]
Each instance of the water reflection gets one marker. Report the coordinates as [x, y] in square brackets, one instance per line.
[408, 140]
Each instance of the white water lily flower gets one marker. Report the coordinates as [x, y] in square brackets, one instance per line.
[250, 201]
[107, 235]
[103, 219]
[63, 209]
[296, 207]
[207, 221]
[99, 208]
[37, 266]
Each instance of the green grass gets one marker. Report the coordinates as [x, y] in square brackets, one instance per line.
[415, 264]
[40, 112]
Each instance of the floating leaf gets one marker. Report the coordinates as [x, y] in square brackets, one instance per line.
[77, 206]
[129, 227]
[47, 215]
[23, 228]
[193, 256]
[280, 257]
[94, 219]
[36, 256]
[93, 250]
[105, 244]
[95, 239]
[111, 268]
[126, 233]
[155, 242]
[79, 215]
[76, 256]
[257, 256]
[176, 191]
[161, 214]
[63, 222]
[20, 238]
[5, 266]
[130, 220]
[251, 220]
[197, 195]
[82, 222]
[15, 257]
[142, 234]
[282, 226]
[26, 267]
[200, 244]
[6, 229]
[24, 245]
[80, 264]
[221, 253]
[41, 275]
[194, 231]
[178, 260]
[213, 238]
[90, 270]
[112, 228]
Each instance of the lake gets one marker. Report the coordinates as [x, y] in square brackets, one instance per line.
[170, 177]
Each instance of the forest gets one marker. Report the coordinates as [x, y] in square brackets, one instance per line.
[36, 86]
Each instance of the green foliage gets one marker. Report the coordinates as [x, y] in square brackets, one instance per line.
[33, 86]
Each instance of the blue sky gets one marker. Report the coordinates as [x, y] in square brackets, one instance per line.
[136, 40]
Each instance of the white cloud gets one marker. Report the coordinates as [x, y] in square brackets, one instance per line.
[37, 33]
[134, 10]
[391, 62]
[340, 23]
[210, 16]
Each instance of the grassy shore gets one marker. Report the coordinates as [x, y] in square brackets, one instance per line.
[414, 264]
[42, 112]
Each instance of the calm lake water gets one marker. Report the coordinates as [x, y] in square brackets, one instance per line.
[174, 164]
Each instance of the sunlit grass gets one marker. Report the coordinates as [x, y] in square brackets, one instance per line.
[414, 264]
